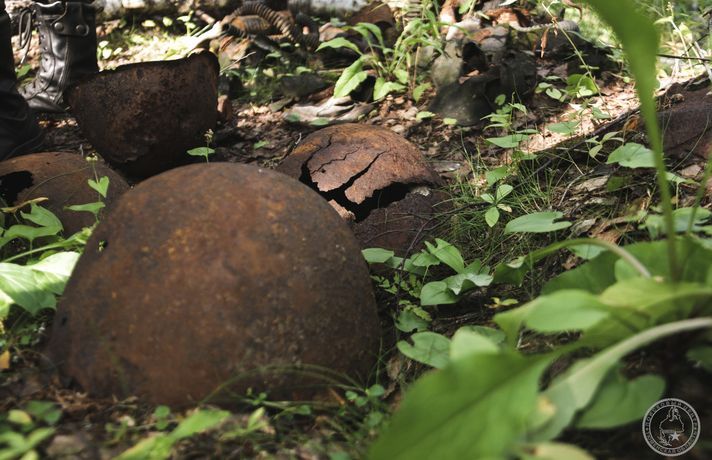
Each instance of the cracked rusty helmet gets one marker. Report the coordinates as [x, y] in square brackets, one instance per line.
[211, 279]
[376, 179]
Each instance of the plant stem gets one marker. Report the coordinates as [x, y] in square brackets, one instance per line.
[614, 248]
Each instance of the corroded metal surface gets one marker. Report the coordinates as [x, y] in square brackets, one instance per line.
[404, 225]
[358, 160]
[687, 125]
[62, 178]
[142, 118]
[206, 274]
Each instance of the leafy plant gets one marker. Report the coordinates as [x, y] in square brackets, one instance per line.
[620, 301]
[23, 430]
[159, 447]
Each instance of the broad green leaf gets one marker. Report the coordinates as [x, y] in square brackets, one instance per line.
[427, 348]
[494, 175]
[632, 155]
[447, 254]
[451, 412]
[382, 88]
[377, 255]
[93, 208]
[492, 216]
[437, 293]
[475, 339]
[19, 283]
[575, 389]
[30, 233]
[578, 85]
[507, 142]
[350, 79]
[565, 127]
[102, 186]
[339, 42]
[373, 29]
[42, 217]
[408, 322]
[204, 152]
[425, 259]
[52, 273]
[620, 401]
[684, 219]
[537, 222]
[656, 299]
[464, 282]
[503, 191]
[401, 75]
[564, 310]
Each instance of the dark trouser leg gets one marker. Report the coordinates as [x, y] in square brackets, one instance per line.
[19, 132]
[67, 32]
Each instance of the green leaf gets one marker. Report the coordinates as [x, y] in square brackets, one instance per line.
[503, 191]
[564, 310]
[427, 348]
[463, 282]
[437, 293]
[382, 88]
[159, 447]
[447, 254]
[507, 142]
[93, 208]
[640, 41]
[620, 401]
[401, 75]
[471, 339]
[30, 233]
[424, 114]
[419, 90]
[492, 216]
[377, 255]
[702, 356]
[52, 273]
[101, 187]
[339, 42]
[45, 411]
[575, 389]
[578, 85]
[350, 79]
[19, 283]
[537, 222]
[566, 127]
[632, 155]
[408, 322]
[473, 408]
[494, 175]
[42, 217]
[201, 152]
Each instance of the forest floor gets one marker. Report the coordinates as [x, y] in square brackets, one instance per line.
[555, 169]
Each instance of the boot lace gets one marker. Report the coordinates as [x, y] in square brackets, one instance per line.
[26, 23]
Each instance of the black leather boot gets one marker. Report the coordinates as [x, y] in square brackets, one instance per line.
[67, 32]
[19, 132]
